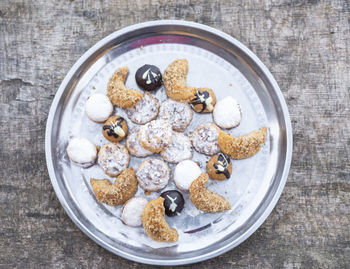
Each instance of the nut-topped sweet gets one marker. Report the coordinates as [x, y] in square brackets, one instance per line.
[204, 101]
[115, 128]
[219, 166]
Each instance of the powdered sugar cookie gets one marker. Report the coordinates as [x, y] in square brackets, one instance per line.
[98, 107]
[178, 114]
[132, 211]
[145, 110]
[155, 135]
[227, 113]
[113, 158]
[82, 152]
[205, 138]
[178, 150]
[118, 93]
[133, 144]
[184, 174]
[153, 174]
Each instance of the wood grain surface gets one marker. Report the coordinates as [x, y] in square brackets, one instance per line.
[305, 44]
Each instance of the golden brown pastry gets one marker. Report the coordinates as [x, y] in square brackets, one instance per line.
[124, 188]
[174, 80]
[205, 199]
[243, 146]
[118, 93]
[154, 223]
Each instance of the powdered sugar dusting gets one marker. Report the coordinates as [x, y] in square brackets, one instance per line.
[145, 110]
[227, 113]
[81, 151]
[113, 158]
[133, 144]
[205, 139]
[153, 174]
[179, 149]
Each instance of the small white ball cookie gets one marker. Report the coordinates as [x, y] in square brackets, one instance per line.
[113, 158]
[227, 113]
[179, 149]
[178, 114]
[205, 138]
[132, 211]
[82, 152]
[153, 174]
[133, 144]
[185, 173]
[98, 107]
[145, 110]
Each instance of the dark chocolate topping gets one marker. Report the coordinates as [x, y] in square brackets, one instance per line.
[222, 164]
[148, 77]
[110, 128]
[200, 99]
[173, 202]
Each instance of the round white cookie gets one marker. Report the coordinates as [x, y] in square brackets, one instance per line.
[227, 113]
[178, 150]
[132, 211]
[145, 110]
[153, 174]
[178, 114]
[185, 173]
[205, 138]
[98, 107]
[82, 152]
[133, 144]
[113, 158]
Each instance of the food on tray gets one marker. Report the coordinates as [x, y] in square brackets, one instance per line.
[227, 113]
[243, 146]
[148, 77]
[173, 202]
[205, 199]
[174, 79]
[155, 135]
[113, 158]
[203, 101]
[145, 110]
[219, 166]
[133, 144]
[98, 107]
[153, 174]
[118, 93]
[123, 188]
[82, 152]
[205, 138]
[115, 128]
[178, 114]
[184, 174]
[155, 224]
[132, 211]
[178, 150]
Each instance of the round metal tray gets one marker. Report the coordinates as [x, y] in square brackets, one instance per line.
[216, 60]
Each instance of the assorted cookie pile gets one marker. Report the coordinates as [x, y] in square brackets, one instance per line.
[160, 130]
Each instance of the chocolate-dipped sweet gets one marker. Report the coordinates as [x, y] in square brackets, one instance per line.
[148, 77]
[219, 166]
[173, 202]
[203, 101]
[115, 128]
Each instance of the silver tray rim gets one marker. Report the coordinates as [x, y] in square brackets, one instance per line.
[216, 252]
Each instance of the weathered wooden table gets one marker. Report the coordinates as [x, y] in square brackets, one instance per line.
[305, 44]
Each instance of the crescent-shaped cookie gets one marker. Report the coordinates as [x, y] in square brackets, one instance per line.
[174, 80]
[155, 224]
[118, 93]
[243, 146]
[124, 187]
[205, 199]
